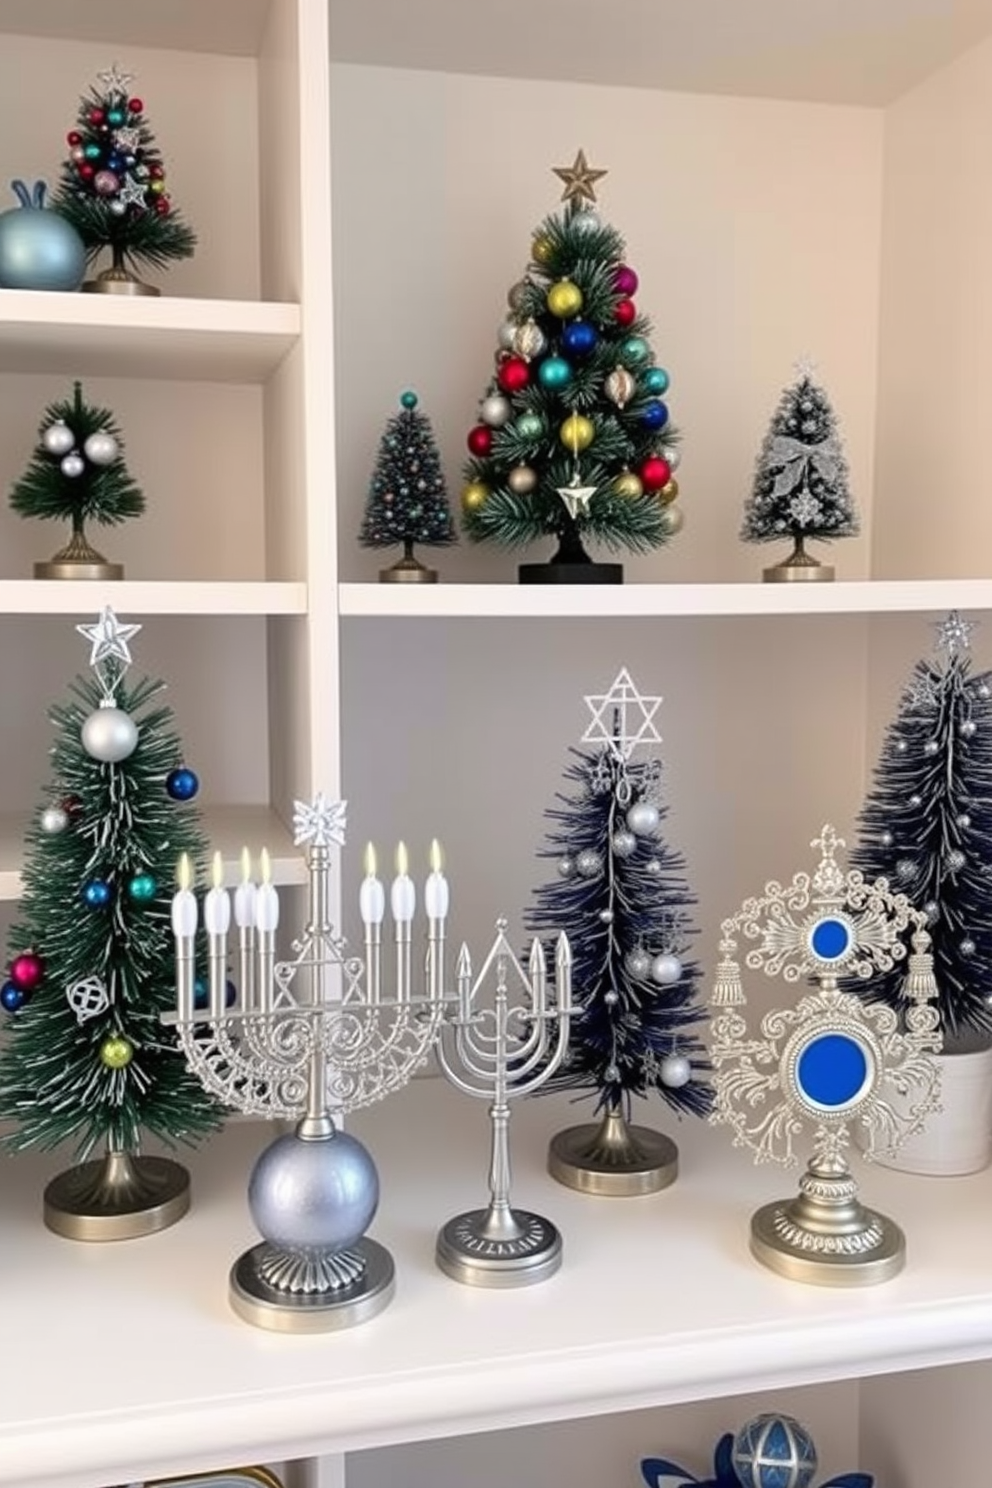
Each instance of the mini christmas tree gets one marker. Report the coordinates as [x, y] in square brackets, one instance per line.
[112, 188]
[85, 1057]
[621, 898]
[574, 440]
[800, 486]
[77, 474]
[926, 826]
[407, 501]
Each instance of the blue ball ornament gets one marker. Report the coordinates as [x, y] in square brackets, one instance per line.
[12, 998]
[38, 249]
[579, 337]
[182, 784]
[654, 415]
[635, 351]
[773, 1451]
[230, 994]
[97, 893]
[554, 373]
[656, 380]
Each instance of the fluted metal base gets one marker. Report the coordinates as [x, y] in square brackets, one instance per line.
[800, 567]
[117, 1198]
[408, 570]
[825, 1236]
[78, 560]
[613, 1159]
[118, 281]
[262, 1290]
[509, 1250]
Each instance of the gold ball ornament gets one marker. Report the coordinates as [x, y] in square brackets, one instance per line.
[629, 485]
[473, 496]
[619, 387]
[541, 250]
[673, 520]
[116, 1052]
[577, 432]
[529, 340]
[668, 492]
[522, 480]
[564, 299]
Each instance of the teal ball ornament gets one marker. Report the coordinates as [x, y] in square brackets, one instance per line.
[142, 888]
[656, 380]
[38, 248]
[635, 351]
[408, 400]
[554, 373]
[773, 1451]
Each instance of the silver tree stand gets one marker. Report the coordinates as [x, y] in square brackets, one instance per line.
[499, 1053]
[333, 1046]
[829, 1061]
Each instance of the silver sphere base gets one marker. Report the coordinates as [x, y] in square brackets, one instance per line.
[260, 1304]
[613, 1159]
[468, 1251]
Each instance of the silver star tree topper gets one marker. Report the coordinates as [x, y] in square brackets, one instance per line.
[622, 718]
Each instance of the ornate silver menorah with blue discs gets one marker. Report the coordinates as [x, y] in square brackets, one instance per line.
[827, 1062]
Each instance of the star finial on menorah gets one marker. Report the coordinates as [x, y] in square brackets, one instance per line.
[320, 821]
[622, 717]
[953, 634]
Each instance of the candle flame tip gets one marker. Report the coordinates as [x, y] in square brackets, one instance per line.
[402, 859]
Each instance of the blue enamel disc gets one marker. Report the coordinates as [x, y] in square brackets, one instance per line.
[830, 939]
[832, 1070]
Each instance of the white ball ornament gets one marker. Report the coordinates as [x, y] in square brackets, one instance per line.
[624, 844]
[495, 410]
[506, 333]
[73, 466]
[54, 820]
[638, 963]
[101, 448]
[58, 439]
[589, 863]
[643, 818]
[675, 1071]
[522, 480]
[109, 735]
[666, 969]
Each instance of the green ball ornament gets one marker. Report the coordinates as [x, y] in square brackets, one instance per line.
[116, 1052]
[635, 350]
[142, 888]
[529, 426]
[408, 401]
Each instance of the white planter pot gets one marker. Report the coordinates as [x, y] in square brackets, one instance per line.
[958, 1138]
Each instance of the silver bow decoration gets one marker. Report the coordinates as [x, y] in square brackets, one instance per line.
[798, 460]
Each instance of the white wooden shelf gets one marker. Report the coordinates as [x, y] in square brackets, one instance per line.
[144, 336]
[227, 828]
[151, 597]
[867, 597]
[130, 1362]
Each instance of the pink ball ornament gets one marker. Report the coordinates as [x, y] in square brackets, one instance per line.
[27, 970]
[625, 281]
[105, 183]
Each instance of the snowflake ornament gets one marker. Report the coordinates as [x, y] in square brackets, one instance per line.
[321, 822]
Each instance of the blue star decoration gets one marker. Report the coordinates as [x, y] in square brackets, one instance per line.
[320, 821]
[658, 1472]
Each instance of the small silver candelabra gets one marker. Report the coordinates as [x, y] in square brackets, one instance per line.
[311, 1038]
[498, 1053]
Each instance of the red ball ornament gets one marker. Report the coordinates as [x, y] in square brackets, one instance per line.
[72, 806]
[74, 137]
[625, 312]
[86, 171]
[513, 375]
[625, 281]
[136, 106]
[162, 206]
[655, 473]
[157, 172]
[95, 115]
[480, 440]
[27, 970]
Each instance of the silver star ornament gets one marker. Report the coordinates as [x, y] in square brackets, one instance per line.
[576, 498]
[114, 82]
[108, 638]
[622, 718]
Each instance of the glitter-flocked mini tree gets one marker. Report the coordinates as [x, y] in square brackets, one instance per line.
[112, 188]
[621, 897]
[85, 1059]
[926, 826]
[407, 500]
[573, 439]
[800, 488]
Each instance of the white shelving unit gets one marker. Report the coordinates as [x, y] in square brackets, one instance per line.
[782, 215]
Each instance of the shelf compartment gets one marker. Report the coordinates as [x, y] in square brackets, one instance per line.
[520, 601]
[151, 597]
[188, 339]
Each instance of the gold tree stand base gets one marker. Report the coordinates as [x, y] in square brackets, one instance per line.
[118, 1197]
[78, 560]
[408, 570]
[118, 280]
[799, 568]
[256, 1302]
[613, 1159]
[826, 1236]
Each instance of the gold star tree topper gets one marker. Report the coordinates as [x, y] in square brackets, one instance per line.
[579, 179]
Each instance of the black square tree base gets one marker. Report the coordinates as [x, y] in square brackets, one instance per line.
[571, 573]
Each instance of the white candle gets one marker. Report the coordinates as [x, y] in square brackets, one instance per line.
[266, 898]
[371, 895]
[184, 913]
[436, 896]
[244, 894]
[403, 895]
[217, 905]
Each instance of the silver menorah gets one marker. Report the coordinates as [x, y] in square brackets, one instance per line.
[311, 1038]
[499, 1053]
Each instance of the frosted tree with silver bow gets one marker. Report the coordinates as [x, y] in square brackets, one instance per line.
[621, 897]
[800, 488]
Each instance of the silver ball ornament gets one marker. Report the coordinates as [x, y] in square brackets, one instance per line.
[516, 293]
[643, 818]
[589, 863]
[54, 820]
[624, 844]
[637, 963]
[967, 947]
[606, 916]
[58, 439]
[955, 860]
[611, 998]
[675, 1071]
[586, 221]
[666, 969]
[931, 909]
[73, 465]
[969, 728]
[931, 747]
[963, 819]
[887, 839]
[901, 746]
[672, 520]
[505, 335]
[905, 869]
[915, 801]
[984, 690]
[101, 448]
[671, 456]
[611, 1073]
[566, 867]
[495, 410]
[314, 1196]
[109, 735]
[522, 480]
[653, 868]
[116, 207]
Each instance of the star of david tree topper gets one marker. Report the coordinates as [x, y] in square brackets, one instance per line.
[620, 895]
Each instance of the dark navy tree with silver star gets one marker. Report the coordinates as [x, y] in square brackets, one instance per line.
[407, 501]
[926, 825]
[621, 897]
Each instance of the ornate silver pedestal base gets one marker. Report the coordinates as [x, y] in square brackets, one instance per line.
[613, 1159]
[826, 1236]
[117, 1198]
[255, 1300]
[520, 1250]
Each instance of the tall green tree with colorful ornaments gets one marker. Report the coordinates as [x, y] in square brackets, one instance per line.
[407, 500]
[621, 897]
[800, 488]
[113, 188]
[90, 970]
[926, 826]
[574, 440]
[77, 474]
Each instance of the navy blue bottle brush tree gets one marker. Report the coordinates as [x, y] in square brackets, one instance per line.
[620, 894]
[407, 503]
